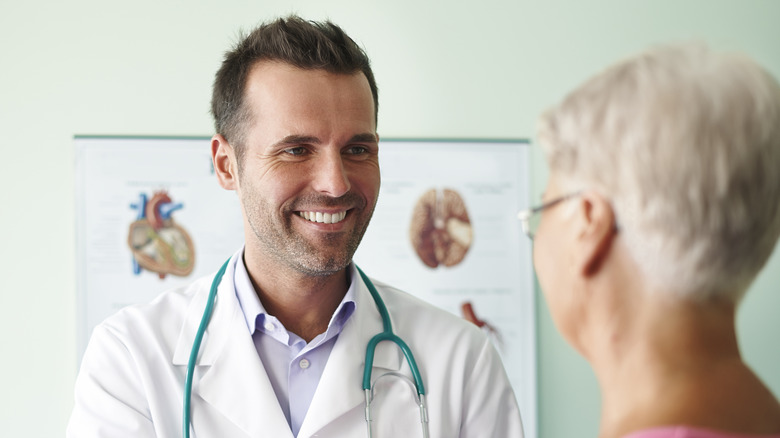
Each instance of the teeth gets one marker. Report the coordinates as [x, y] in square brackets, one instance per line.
[324, 218]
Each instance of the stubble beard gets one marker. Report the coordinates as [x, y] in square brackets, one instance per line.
[314, 259]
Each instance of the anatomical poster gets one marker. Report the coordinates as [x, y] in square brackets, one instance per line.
[150, 216]
[445, 229]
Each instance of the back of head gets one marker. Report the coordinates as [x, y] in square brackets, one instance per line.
[291, 40]
[686, 144]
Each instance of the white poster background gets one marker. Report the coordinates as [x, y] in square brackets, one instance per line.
[111, 175]
[496, 274]
[491, 177]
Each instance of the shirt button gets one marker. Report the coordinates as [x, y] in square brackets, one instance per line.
[269, 326]
[304, 363]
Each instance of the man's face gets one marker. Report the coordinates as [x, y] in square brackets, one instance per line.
[309, 177]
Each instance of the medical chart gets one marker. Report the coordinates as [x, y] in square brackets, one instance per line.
[151, 216]
[445, 229]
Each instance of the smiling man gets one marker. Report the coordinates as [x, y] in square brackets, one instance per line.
[295, 108]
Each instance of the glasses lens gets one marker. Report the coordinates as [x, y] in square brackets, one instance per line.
[524, 217]
[533, 223]
[529, 220]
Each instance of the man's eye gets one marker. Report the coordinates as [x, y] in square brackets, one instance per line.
[299, 150]
[357, 150]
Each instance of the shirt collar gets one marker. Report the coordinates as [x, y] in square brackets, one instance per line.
[252, 307]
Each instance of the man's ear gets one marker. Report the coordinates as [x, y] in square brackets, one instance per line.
[223, 158]
[595, 237]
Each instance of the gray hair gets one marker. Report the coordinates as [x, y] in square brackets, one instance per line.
[686, 144]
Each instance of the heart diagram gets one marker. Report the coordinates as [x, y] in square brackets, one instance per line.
[159, 244]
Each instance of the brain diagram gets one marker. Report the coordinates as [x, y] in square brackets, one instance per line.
[440, 230]
[158, 244]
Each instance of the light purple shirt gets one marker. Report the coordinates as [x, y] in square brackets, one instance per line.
[293, 366]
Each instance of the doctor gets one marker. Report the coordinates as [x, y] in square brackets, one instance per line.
[295, 108]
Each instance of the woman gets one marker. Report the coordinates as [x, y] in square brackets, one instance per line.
[663, 204]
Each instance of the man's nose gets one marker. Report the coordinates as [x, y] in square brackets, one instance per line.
[330, 176]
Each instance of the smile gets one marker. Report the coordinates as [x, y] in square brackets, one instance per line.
[324, 218]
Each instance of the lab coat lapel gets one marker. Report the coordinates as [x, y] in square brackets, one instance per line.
[340, 389]
[229, 374]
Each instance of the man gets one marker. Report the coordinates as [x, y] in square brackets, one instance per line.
[295, 105]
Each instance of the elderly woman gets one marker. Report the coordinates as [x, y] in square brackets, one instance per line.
[663, 204]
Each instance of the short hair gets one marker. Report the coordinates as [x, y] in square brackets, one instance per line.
[685, 142]
[303, 44]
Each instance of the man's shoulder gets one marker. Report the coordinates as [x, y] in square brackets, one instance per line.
[409, 310]
[167, 309]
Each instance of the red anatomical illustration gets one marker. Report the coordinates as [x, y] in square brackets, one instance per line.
[157, 242]
[440, 230]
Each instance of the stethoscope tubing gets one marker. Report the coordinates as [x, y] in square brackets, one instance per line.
[386, 335]
[204, 322]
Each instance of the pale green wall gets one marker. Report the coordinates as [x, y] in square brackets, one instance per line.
[445, 69]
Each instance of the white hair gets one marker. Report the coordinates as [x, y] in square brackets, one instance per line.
[686, 144]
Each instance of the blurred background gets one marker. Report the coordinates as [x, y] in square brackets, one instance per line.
[453, 69]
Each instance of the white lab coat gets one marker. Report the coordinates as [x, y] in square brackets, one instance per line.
[132, 374]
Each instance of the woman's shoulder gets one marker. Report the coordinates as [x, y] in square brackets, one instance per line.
[690, 432]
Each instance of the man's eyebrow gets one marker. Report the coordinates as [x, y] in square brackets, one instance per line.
[364, 138]
[297, 139]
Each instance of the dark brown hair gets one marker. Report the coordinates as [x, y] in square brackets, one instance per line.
[304, 44]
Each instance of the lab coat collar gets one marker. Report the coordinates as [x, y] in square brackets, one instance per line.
[230, 375]
[216, 333]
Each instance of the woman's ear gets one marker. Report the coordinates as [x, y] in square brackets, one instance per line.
[224, 160]
[595, 237]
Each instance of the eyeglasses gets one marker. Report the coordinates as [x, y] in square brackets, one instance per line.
[531, 218]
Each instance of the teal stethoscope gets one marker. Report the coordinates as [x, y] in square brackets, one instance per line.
[368, 389]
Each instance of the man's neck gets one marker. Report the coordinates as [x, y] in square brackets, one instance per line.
[303, 303]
